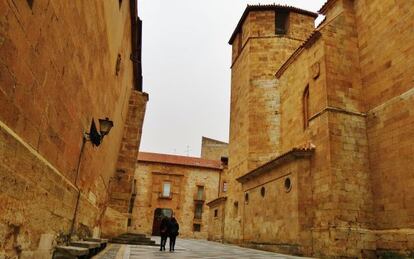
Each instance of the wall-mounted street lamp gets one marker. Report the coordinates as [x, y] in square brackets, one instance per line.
[96, 138]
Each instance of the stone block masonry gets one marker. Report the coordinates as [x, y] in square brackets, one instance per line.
[346, 92]
[63, 64]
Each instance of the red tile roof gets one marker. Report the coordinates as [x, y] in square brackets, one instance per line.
[179, 160]
[268, 7]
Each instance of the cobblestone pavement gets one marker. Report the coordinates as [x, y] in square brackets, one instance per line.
[198, 249]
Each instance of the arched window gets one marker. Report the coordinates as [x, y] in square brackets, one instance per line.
[305, 103]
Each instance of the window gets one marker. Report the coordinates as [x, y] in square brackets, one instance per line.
[288, 185]
[30, 3]
[198, 212]
[118, 64]
[196, 227]
[305, 102]
[262, 191]
[216, 213]
[235, 209]
[166, 189]
[246, 197]
[224, 186]
[120, 3]
[200, 193]
[282, 17]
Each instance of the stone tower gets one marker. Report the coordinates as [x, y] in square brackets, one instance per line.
[263, 40]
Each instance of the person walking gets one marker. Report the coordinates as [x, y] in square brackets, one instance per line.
[163, 232]
[173, 228]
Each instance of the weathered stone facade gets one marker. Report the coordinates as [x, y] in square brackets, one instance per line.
[212, 149]
[325, 144]
[63, 64]
[184, 176]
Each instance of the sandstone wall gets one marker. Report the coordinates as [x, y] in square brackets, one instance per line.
[386, 48]
[255, 100]
[283, 224]
[58, 71]
[216, 221]
[213, 149]
[184, 181]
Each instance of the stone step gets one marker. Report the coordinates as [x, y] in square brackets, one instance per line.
[70, 252]
[133, 243]
[133, 239]
[133, 235]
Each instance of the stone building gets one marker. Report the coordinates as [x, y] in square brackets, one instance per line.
[63, 66]
[174, 185]
[320, 131]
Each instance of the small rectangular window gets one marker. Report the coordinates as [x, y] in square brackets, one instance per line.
[282, 17]
[216, 213]
[120, 3]
[166, 189]
[196, 227]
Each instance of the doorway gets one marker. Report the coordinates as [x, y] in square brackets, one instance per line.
[159, 213]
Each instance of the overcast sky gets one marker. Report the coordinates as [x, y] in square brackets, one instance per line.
[186, 69]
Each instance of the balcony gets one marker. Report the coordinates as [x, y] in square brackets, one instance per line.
[165, 197]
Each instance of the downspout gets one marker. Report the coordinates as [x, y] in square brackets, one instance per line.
[78, 189]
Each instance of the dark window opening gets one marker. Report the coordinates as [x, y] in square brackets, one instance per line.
[236, 209]
[224, 160]
[282, 17]
[262, 191]
[305, 102]
[198, 212]
[246, 197]
[216, 213]
[129, 222]
[118, 64]
[120, 3]
[30, 3]
[288, 184]
[196, 227]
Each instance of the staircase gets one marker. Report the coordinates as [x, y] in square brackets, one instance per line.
[133, 239]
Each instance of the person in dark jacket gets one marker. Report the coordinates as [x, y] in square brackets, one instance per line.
[163, 232]
[173, 228]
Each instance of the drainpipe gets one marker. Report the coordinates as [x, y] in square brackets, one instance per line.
[77, 188]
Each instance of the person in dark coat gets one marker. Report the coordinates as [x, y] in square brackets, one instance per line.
[173, 228]
[163, 232]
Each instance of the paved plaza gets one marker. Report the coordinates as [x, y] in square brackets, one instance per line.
[186, 248]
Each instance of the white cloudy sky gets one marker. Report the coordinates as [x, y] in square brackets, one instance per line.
[186, 69]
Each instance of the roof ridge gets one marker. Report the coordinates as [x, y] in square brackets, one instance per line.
[178, 160]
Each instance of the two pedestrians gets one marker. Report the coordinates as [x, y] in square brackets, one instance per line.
[168, 228]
